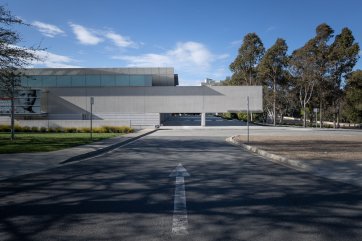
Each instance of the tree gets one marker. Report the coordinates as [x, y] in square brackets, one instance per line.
[343, 57]
[272, 69]
[12, 58]
[322, 51]
[303, 69]
[353, 97]
[244, 67]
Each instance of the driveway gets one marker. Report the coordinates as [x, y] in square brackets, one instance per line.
[128, 194]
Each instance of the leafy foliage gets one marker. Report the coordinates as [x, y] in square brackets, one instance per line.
[244, 67]
[12, 58]
[314, 75]
[353, 99]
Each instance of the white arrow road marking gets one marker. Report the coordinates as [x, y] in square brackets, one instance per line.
[179, 223]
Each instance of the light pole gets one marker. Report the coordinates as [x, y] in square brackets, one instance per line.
[91, 116]
[247, 118]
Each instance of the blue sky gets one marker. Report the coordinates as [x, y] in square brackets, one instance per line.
[199, 38]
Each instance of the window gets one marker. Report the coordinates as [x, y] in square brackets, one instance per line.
[64, 81]
[148, 80]
[49, 81]
[35, 81]
[122, 80]
[108, 80]
[78, 80]
[93, 80]
[137, 80]
[24, 81]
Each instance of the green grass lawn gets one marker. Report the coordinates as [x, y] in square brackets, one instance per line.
[42, 142]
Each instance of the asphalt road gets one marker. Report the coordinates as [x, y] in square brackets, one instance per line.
[128, 194]
[191, 120]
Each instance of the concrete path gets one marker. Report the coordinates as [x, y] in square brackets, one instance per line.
[12, 165]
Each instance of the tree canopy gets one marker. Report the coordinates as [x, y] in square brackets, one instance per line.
[318, 74]
[12, 58]
[244, 67]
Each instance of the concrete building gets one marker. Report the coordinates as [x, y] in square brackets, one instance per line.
[136, 97]
[211, 82]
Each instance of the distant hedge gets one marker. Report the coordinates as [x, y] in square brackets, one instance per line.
[102, 129]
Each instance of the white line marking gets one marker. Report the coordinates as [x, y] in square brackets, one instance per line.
[179, 223]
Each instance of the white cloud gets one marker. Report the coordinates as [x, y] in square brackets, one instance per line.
[51, 60]
[48, 30]
[270, 28]
[187, 55]
[192, 60]
[88, 36]
[119, 40]
[236, 42]
[48, 59]
[84, 35]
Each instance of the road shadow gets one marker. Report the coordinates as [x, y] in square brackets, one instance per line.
[128, 195]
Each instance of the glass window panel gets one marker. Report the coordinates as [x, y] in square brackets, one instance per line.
[35, 81]
[78, 80]
[122, 80]
[108, 80]
[93, 80]
[64, 81]
[137, 80]
[49, 81]
[148, 80]
[24, 81]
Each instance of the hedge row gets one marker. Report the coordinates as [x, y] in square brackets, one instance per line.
[103, 129]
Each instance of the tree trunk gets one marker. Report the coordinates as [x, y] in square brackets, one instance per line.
[12, 119]
[304, 116]
[338, 115]
[12, 95]
[320, 114]
[274, 103]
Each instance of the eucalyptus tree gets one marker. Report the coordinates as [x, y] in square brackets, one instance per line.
[272, 70]
[321, 49]
[12, 58]
[303, 69]
[353, 97]
[343, 57]
[244, 67]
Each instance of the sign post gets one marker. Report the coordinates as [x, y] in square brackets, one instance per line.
[247, 117]
[91, 116]
[316, 110]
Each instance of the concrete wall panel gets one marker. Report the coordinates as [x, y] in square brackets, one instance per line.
[160, 99]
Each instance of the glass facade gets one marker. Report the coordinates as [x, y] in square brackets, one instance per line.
[49, 81]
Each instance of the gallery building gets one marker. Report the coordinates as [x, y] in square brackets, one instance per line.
[136, 97]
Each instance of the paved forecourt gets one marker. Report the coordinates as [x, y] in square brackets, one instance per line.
[179, 185]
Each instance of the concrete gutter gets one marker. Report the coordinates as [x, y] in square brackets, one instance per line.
[105, 149]
[279, 159]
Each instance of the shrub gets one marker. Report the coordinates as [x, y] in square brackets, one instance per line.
[99, 130]
[227, 116]
[34, 129]
[43, 129]
[5, 128]
[242, 116]
[109, 129]
[84, 130]
[117, 129]
[59, 129]
[26, 129]
[18, 128]
[70, 130]
[51, 129]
